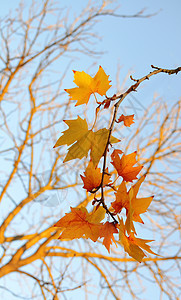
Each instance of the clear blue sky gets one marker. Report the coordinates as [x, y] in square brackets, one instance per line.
[133, 43]
[137, 43]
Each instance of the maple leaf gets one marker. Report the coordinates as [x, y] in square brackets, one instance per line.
[134, 206]
[124, 166]
[77, 129]
[122, 198]
[133, 245]
[106, 232]
[84, 140]
[88, 85]
[115, 153]
[129, 221]
[79, 223]
[93, 177]
[77, 132]
[139, 205]
[128, 120]
[97, 215]
[99, 143]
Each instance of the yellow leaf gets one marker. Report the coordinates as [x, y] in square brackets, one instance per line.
[77, 129]
[81, 147]
[100, 83]
[99, 144]
[84, 140]
[88, 85]
[97, 215]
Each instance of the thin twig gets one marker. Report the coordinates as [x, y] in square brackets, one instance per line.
[121, 97]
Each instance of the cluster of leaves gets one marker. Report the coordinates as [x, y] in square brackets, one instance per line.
[79, 223]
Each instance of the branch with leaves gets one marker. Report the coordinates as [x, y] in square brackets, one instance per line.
[79, 223]
[34, 182]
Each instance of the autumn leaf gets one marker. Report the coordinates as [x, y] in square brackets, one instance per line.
[79, 223]
[133, 245]
[99, 142]
[122, 198]
[129, 226]
[97, 215]
[128, 120]
[142, 243]
[78, 135]
[106, 232]
[134, 206]
[88, 85]
[124, 166]
[139, 205]
[93, 177]
[78, 128]
[84, 140]
[115, 153]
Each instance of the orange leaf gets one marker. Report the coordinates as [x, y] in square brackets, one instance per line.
[134, 206]
[115, 153]
[128, 120]
[129, 226]
[88, 85]
[93, 177]
[124, 166]
[133, 245]
[139, 205]
[142, 243]
[79, 223]
[122, 198]
[106, 232]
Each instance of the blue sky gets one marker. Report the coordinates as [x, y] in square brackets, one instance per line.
[133, 44]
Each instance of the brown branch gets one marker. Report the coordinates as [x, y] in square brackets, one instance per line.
[121, 97]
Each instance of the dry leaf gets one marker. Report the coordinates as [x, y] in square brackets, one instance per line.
[88, 85]
[79, 223]
[84, 140]
[128, 120]
[124, 166]
[93, 177]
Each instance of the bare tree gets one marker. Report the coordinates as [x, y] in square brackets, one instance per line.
[37, 188]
